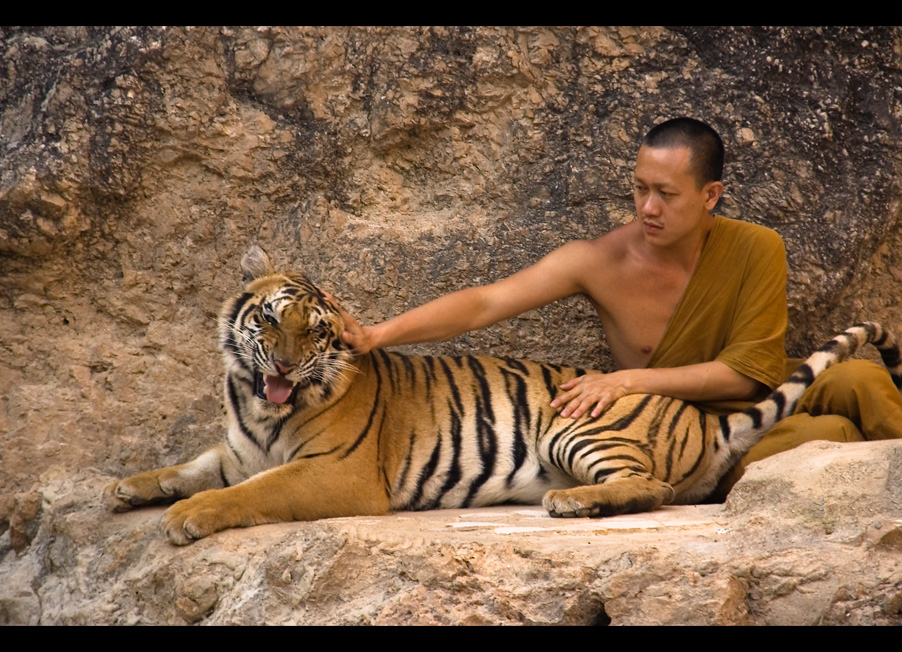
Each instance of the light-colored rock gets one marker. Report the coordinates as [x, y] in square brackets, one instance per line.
[766, 557]
[827, 488]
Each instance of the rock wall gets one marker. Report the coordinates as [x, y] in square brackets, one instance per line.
[392, 165]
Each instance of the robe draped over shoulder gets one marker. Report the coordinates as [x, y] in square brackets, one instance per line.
[733, 309]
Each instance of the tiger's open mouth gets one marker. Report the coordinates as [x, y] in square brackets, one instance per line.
[275, 389]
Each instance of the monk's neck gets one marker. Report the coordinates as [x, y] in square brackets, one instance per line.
[685, 253]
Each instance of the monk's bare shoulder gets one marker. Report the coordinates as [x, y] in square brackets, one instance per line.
[612, 248]
[594, 266]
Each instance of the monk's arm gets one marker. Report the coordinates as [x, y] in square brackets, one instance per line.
[557, 275]
[706, 381]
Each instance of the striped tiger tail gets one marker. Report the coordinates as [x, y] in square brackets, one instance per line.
[742, 430]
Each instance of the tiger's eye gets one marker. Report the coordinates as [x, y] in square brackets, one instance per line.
[320, 330]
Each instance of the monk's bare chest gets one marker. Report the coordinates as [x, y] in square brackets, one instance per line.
[635, 308]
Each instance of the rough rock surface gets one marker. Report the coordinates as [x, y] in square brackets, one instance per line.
[809, 537]
[393, 165]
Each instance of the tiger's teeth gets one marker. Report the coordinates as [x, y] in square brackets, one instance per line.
[277, 388]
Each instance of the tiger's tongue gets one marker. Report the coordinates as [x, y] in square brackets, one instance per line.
[277, 389]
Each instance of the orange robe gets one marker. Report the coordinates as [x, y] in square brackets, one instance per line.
[733, 309]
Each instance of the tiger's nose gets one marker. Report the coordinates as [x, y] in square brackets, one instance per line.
[284, 366]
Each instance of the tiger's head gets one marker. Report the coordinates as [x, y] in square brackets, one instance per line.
[283, 335]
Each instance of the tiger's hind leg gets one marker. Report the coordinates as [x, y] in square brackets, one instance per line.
[610, 460]
[625, 495]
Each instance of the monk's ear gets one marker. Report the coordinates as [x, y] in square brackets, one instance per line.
[713, 191]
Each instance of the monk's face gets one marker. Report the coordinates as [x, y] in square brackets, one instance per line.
[669, 202]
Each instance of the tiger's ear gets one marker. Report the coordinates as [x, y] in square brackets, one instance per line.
[254, 264]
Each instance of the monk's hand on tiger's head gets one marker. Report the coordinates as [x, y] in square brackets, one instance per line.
[355, 335]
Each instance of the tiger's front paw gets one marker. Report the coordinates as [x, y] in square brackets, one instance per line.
[116, 499]
[138, 490]
[201, 515]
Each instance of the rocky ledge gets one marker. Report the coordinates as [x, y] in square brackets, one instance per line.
[809, 537]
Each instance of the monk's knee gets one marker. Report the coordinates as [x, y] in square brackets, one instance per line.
[853, 375]
[801, 428]
[843, 388]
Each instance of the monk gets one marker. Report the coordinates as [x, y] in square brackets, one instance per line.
[693, 306]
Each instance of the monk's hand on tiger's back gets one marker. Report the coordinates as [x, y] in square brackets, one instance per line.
[589, 392]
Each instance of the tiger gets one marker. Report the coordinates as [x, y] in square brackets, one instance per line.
[316, 430]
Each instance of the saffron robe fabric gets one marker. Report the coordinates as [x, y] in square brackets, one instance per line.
[733, 308]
